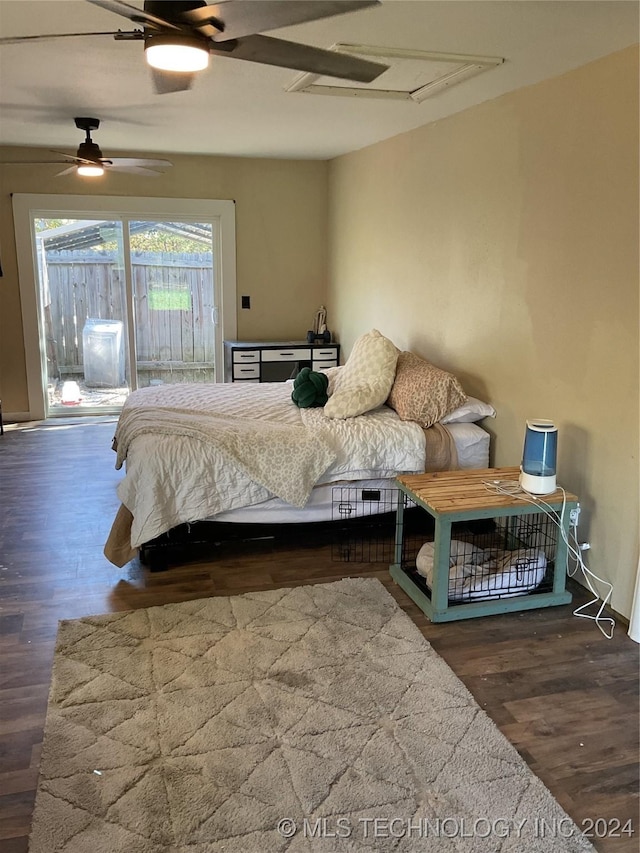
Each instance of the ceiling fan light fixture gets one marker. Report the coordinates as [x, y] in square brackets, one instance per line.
[177, 52]
[88, 170]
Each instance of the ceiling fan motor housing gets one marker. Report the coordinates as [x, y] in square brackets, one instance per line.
[88, 150]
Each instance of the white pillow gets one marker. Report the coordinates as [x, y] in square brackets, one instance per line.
[470, 412]
[365, 380]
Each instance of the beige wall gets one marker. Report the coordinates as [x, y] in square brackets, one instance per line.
[281, 237]
[502, 244]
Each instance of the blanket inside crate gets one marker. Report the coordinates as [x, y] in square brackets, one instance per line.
[478, 573]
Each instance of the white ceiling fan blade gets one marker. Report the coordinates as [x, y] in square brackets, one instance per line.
[73, 157]
[66, 171]
[246, 17]
[134, 170]
[143, 162]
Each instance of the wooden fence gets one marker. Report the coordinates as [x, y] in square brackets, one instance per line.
[172, 299]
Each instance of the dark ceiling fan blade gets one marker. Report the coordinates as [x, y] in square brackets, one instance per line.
[117, 34]
[165, 82]
[246, 17]
[300, 57]
[137, 15]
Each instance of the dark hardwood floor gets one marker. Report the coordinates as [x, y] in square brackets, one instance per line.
[565, 696]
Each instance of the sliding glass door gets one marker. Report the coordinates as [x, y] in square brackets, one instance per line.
[124, 302]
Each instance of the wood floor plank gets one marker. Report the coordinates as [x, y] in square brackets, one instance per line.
[565, 696]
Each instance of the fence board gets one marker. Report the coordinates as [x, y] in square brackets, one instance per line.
[142, 319]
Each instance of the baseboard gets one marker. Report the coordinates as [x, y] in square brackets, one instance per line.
[16, 417]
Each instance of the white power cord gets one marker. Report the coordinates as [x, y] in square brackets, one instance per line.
[513, 489]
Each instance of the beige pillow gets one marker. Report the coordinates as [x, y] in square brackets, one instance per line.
[422, 392]
[365, 380]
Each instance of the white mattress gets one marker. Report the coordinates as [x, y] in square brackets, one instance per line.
[327, 500]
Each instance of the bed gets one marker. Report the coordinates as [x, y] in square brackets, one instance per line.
[245, 453]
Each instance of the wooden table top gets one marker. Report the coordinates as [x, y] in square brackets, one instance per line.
[464, 491]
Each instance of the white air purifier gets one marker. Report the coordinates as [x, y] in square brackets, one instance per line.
[538, 469]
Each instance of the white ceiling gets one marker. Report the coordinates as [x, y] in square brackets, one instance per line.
[243, 109]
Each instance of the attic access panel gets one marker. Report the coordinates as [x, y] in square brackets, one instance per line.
[413, 75]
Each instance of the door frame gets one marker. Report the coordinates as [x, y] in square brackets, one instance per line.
[27, 206]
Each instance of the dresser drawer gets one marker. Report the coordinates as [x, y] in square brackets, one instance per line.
[246, 371]
[286, 355]
[323, 365]
[328, 354]
[243, 355]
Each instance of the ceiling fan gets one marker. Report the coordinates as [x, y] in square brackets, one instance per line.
[89, 162]
[180, 35]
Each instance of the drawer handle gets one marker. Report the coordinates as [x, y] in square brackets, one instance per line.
[246, 355]
[246, 370]
[286, 353]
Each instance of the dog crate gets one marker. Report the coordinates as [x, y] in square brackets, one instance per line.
[364, 523]
[489, 553]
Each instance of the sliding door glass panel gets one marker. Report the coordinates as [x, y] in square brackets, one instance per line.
[172, 273]
[83, 314]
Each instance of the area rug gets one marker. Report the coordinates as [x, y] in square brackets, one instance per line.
[316, 718]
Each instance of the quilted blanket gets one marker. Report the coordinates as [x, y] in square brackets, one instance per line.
[287, 460]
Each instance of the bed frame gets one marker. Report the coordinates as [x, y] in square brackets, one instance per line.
[365, 539]
[203, 540]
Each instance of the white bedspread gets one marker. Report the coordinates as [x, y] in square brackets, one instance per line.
[172, 479]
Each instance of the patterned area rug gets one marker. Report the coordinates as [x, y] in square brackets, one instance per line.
[308, 719]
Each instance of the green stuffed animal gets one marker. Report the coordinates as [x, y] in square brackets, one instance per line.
[310, 389]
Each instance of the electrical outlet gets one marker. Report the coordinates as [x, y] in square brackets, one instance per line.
[574, 516]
